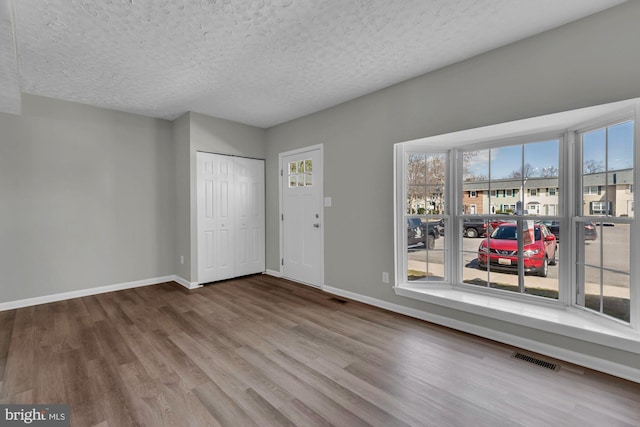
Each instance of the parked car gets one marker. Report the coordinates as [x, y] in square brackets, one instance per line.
[500, 250]
[590, 229]
[419, 232]
[472, 227]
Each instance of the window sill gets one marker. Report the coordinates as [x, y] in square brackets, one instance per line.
[561, 320]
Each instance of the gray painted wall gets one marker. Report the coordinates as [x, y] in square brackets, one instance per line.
[86, 198]
[182, 144]
[588, 62]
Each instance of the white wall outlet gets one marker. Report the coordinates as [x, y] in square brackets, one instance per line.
[181, 259]
[385, 277]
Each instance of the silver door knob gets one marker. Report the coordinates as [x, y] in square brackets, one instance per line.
[316, 225]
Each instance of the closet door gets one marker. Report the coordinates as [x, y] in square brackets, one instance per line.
[249, 210]
[215, 217]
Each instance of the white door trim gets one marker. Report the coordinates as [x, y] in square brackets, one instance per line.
[320, 148]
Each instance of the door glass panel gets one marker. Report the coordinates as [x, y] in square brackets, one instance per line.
[301, 173]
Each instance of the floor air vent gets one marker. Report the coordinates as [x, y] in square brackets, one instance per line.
[338, 300]
[536, 361]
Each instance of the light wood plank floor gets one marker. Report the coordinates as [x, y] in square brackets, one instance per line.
[261, 351]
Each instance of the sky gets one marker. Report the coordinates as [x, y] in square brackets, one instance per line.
[504, 161]
[617, 140]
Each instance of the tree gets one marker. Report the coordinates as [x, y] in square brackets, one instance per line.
[549, 172]
[467, 173]
[527, 169]
[593, 166]
[425, 179]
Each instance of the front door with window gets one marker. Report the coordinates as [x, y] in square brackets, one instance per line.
[302, 216]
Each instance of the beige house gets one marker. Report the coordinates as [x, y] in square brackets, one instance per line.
[502, 196]
[541, 195]
[616, 186]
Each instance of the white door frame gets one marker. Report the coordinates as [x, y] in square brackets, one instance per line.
[320, 148]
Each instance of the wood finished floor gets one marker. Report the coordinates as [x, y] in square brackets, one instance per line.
[261, 351]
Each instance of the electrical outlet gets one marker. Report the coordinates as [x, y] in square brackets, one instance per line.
[385, 277]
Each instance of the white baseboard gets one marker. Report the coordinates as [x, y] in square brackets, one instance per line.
[187, 284]
[27, 302]
[273, 273]
[586, 361]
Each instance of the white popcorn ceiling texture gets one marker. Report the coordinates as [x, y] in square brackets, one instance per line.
[260, 62]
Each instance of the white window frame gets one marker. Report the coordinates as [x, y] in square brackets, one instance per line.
[574, 321]
[508, 192]
[552, 191]
[400, 191]
[473, 194]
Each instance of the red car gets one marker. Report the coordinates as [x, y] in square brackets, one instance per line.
[500, 250]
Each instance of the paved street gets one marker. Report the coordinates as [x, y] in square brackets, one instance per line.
[615, 254]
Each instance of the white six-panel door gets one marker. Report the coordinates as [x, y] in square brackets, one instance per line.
[249, 215]
[230, 216]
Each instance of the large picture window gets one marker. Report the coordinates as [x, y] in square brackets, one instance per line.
[541, 219]
[516, 254]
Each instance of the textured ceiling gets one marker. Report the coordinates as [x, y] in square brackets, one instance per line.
[260, 62]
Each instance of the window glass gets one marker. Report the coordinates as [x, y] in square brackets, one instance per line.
[425, 184]
[541, 166]
[500, 174]
[425, 249]
[475, 178]
[425, 205]
[603, 244]
[496, 261]
[604, 268]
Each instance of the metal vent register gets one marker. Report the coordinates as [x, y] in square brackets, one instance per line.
[536, 361]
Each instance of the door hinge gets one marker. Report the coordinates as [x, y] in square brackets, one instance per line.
[282, 261]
